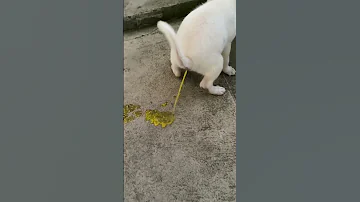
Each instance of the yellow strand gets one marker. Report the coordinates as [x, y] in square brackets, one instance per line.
[178, 95]
[163, 118]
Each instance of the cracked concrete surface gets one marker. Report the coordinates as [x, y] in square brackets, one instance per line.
[194, 159]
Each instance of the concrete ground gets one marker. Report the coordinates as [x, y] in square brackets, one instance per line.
[143, 13]
[132, 7]
[194, 158]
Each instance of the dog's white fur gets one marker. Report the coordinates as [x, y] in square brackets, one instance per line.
[203, 42]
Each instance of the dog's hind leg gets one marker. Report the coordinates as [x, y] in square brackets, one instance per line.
[226, 68]
[212, 75]
[176, 70]
[174, 64]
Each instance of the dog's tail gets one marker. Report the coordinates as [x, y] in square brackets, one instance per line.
[170, 35]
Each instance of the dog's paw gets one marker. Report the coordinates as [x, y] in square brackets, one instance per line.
[217, 90]
[176, 71]
[229, 71]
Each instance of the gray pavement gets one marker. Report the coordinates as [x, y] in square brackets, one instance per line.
[143, 13]
[194, 158]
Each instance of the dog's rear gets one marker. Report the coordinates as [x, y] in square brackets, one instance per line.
[203, 41]
[176, 52]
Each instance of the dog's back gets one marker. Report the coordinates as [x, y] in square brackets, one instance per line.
[207, 30]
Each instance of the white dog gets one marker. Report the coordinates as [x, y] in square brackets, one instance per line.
[203, 42]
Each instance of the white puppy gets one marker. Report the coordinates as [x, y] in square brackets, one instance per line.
[203, 42]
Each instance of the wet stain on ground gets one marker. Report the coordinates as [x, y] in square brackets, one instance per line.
[131, 111]
[159, 118]
[156, 117]
[164, 104]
